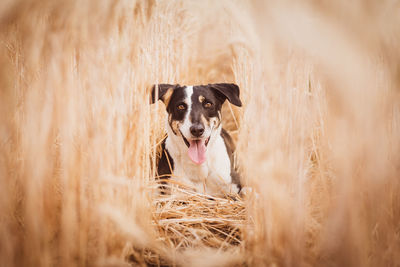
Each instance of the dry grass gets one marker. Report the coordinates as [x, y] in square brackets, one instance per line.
[318, 136]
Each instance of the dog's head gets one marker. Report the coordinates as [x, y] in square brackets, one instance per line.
[194, 112]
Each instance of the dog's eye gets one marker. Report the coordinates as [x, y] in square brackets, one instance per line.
[181, 107]
[208, 105]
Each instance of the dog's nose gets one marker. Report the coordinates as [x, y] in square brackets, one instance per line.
[197, 130]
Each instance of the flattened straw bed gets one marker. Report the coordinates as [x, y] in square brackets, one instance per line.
[188, 219]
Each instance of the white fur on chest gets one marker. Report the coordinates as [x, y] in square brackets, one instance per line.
[213, 176]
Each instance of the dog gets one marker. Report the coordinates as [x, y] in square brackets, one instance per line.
[198, 152]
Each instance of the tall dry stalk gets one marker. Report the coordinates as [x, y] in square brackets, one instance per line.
[318, 136]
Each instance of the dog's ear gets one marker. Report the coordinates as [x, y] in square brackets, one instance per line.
[164, 92]
[229, 91]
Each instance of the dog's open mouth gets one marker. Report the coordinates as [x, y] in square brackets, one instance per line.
[188, 143]
[197, 149]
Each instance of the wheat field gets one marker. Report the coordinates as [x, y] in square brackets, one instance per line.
[318, 136]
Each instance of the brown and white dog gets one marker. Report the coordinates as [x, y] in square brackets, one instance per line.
[198, 152]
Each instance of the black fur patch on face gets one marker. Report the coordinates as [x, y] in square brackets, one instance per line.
[206, 106]
[176, 114]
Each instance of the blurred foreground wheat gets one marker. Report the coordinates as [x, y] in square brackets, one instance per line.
[318, 136]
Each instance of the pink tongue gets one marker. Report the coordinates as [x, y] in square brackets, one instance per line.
[197, 151]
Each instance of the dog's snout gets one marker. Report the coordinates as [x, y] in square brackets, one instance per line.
[197, 130]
